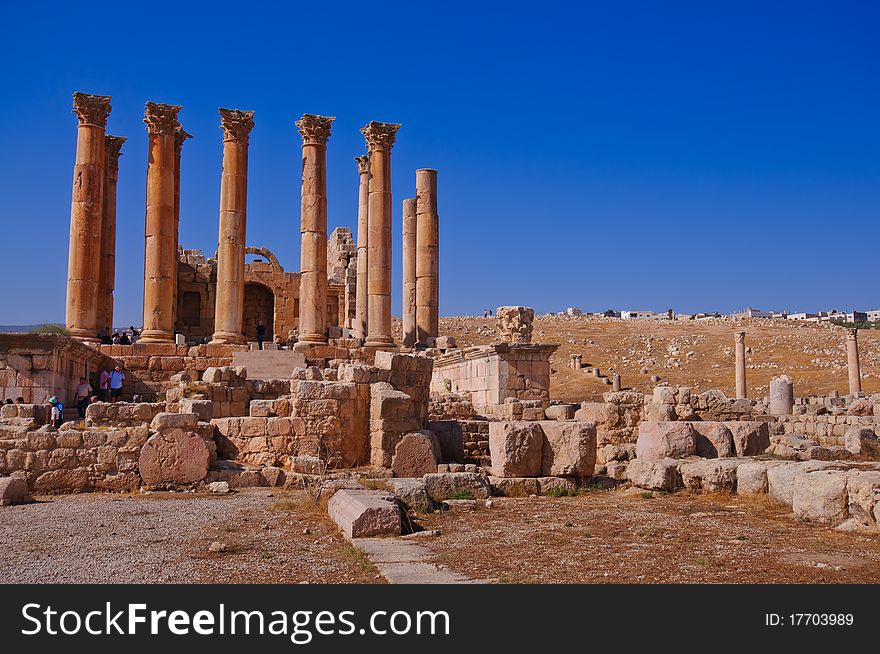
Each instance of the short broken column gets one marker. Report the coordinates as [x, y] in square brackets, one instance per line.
[781, 396]
[229, 307]
[427, 256]
[740, 346]
[852, 361]
[409, 272]
[615, 383]
[575, 361]
[86, 209]
[107, 277]
[363, 226]
[380, 138]
[315, 130]
[160, 259]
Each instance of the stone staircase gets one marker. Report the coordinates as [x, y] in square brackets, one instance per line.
[269, 364]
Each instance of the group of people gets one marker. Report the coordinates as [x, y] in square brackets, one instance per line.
[125, 337]
[487, 313]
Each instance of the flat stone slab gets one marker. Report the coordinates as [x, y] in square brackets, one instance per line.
[403, 562]
[361, 513]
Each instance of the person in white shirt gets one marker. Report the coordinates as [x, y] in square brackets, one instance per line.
[83, 393]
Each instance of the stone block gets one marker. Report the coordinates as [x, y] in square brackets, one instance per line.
[514, 486]
[751, 477]
[184, 421]
[516, 448]
[863, 496]
[664, 439]
[412, 493]
[443, 486]
[862, 441]
[710, 475]
[14, 490]
[714, 440]
[204, 409]
[780, 478]
[365, 513]
[654, 474]
[750, 438]
[820, 496]
[173, 457]
[569, 449]
[416, 454]
[546, 485]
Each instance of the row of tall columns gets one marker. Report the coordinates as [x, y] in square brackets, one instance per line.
[852, 364]
[160, 255]
[315, 131]
[380, 139]
[421, 263]
[229, 307]
[86, 215]
[360, 313]
[107, 269]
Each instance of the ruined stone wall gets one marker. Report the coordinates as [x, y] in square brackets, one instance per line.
[122, 414]
[827, 430]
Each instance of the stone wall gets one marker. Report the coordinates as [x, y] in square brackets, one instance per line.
[122, 414]
[827, 430]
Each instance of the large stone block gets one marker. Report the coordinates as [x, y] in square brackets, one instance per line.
[442, 486]
[659, 440]
[863, 496]
[862, 441]
[14, 490]
[174, 457]
[412, 493]
[654, 474]
[569, 449]
[183, 421]
[710, 476]
[714, 440]
[820, 496]
[750, 438]
[362, 513]
[514, 486]
[751, 476]
[516, 448]
[415, 455]
[780, 479]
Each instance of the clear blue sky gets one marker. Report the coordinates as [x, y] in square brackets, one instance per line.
[694, 155]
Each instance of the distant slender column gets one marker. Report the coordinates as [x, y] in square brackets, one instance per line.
[180, 135]
[360, 316]
[229, 305]
[380, 139]
[427, 256]
[86, 209]
[315, 130]
[852, 361]
[409, 272]
[159, 256]
[107, 277]
[741, 391]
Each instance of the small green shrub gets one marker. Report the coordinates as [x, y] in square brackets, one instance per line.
[561, 491]
[463, 494]
[50, 329]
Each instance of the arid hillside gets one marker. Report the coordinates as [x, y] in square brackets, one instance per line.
[698, 354]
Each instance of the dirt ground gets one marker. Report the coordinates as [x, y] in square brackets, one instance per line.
[270, 536]
[627, 536]
[698, 354]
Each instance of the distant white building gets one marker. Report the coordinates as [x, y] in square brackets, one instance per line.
[873, 315]
[637, 315]
[753, 313]
[573, 311]
[809, 317]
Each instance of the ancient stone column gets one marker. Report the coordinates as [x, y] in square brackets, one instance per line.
[409, 272]
[315, 130]
[615, 384]
[107, 276]
[180, 135]
[86, 211]
[236, 126]
[781, 396]
[427, 256]
[360, 315]
[160, 259]
[852, 361]
[380, 138]
[741, 391]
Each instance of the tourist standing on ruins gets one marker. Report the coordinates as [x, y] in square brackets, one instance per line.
[117, 380]
[57, 412]
[104, 386]
[133, 334]
[83, 393]
[261, 334]
[123, 339]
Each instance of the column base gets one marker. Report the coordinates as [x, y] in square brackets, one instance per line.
[227, 338]
[312, 340]
[156, 336]
[380, 343]
[84, 336]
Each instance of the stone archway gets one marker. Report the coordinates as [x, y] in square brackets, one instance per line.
[259, 306]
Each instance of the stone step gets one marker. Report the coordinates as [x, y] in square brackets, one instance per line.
[269, 364]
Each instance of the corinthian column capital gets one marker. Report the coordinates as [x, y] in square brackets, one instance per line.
[180, 135]
[91, 109]
[161, 118]
[113, 148]
[315, 130]
[380, 136]
[363, 164]
[236, 124]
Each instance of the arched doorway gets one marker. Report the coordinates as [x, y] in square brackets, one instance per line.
[259, 306]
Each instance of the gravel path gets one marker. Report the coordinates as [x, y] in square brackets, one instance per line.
[269, 537]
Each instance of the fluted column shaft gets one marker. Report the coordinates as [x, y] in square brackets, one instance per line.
[315, 130]
[159, 256]
[852, 362]
[380, 138]
[107, 276]
[360, 315]
[229, 307]
[86, 213]
[740, 343]
[409, 272]
[180, 136]
[427, 256]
